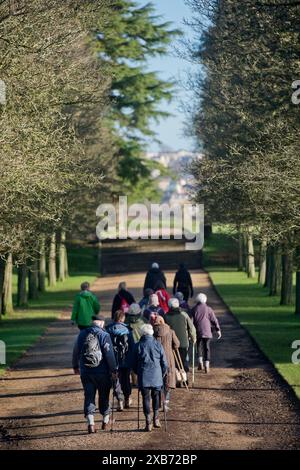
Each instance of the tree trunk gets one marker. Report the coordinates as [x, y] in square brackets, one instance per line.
[250, 256]
[7, 307]
[63, 257]
[240, 253]
[33, 280]
[275, 275]
[287, 279]
[2, 274]
[262, 263]
[297, 306]
[52, 261]
[42, 267]
[268, 271]
[245, 253]
[22, 300]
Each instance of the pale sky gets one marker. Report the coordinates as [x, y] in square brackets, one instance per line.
[170, 130]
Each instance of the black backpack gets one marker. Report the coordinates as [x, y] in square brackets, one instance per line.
[121, 347]
[91, 351]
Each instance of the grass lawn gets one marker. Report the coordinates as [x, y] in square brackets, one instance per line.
[274, 327]
[21, 329]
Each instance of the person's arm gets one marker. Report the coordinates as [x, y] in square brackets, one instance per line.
[135, 359]
[164, 279]
[96, 305]
[146, 281]
[131, 299]
[163, 361]
[175, 284]
[190, 327]
[214, 322]
[108, 353]
[116, 305]
[75, 309]
[175, 340]
[191, 284]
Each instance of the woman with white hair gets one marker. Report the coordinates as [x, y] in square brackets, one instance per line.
[204, 320]
[150, 365]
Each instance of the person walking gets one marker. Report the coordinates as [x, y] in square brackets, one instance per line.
[183, 326]
[135, 321]
[144, 302]
[183, 282]
[153, 276]
[122, 300]
[85, 306]
[163, 296]
[183, 304]
[94, 360]
[150, 365]
[205, 321]
[169, 341]
[123, 344]
[153, 308]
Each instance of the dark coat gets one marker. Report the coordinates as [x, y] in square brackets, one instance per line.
[108, 363]
[183, 283]
[149, 363]
[204, 320]
[118, 329]
[152, 309]
[122, 294]
[167, 337]
[153, 276]
[183, 326]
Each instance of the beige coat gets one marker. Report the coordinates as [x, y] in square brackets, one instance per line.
[167, 337]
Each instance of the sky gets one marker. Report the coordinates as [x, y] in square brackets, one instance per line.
[170, 130]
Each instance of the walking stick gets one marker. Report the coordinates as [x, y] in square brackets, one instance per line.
[179, 368]
[112, 410]
[165, 411]
[193, 359]
[182, 368]
[138, 408]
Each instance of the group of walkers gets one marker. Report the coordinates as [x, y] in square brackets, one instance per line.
[146, 344]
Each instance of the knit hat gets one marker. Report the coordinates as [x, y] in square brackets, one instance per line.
[179, 296]
[201, 298]
[98, 317]
[148, 292]
[134, 309]
[173, 302]
[153, 300]
[147, 329]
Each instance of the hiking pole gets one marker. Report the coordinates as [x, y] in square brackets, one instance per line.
[180, 369]
[165, 409]
[113, 405]
[193, 366]
[138, 408]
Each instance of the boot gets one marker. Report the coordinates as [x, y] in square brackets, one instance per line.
[156, 422]
[120, 405]
[148, 427]
[105, 423]
[200, 364]
[128, 403]
[206, 367]
[91, 429]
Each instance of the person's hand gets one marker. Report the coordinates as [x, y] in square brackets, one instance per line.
[72, 323]
[219, 335]
[76, 371]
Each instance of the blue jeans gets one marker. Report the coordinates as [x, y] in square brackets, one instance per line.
[91, 384]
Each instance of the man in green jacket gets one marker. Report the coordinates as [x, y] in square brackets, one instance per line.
[85, 306]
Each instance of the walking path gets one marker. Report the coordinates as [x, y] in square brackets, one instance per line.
[241, 404]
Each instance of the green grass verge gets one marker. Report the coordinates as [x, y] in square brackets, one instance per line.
[274, 327]
[22, 328]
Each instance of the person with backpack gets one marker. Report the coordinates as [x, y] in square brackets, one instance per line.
[94, 360]
[153, 308]
[153, 276]
[163, 296]
[135, 321]
[122, 300]
[205, 321]
[123, 344]
[169, 341]
[150, 365]
[85, 306]
[183, 282]
[183, 326]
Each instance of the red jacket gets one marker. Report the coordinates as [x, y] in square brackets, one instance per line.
[163, 298]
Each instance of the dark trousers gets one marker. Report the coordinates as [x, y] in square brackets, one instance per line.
[148, 394]
[203, 346]
[91, 385]
[183, 354]
[123, 386]
[80, 327]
